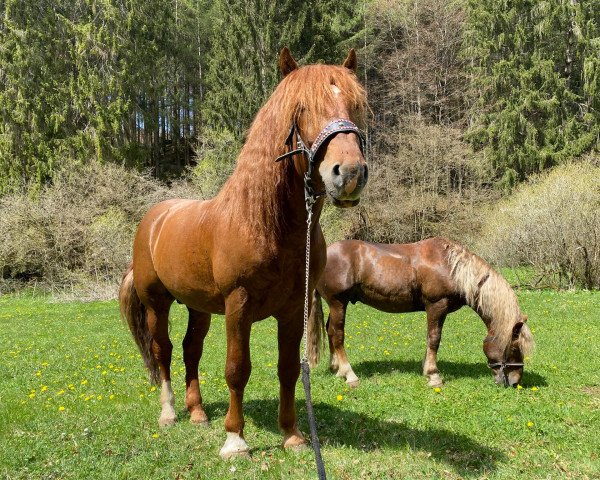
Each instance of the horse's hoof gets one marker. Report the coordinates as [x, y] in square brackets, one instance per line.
[295, 442]
[353, 383]
[435, 381]
[198, 417]
[167, 421]
[234, 447]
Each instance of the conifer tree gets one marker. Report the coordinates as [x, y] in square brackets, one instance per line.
[535, 66]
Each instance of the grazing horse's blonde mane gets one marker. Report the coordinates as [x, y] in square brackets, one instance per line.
[489, 294]
[256, 191]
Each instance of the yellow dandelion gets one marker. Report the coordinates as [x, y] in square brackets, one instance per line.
[519, 387]
[44, 388]
[152, 388]
[340, 398]
[44, 364]
[32, 395]
[99, 397]
[61, 408]
[155, 435]
[111, 397]
[84, 382]
[202, 382]
[534, 389]
[38, 374]
[104, 372]
[529, 424]
[60, 392]
[71, 386]
[437, 390]
[86, 399]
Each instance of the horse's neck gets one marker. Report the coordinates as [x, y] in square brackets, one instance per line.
[268, 197]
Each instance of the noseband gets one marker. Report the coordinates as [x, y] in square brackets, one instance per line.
[503, 364]
[334, 127]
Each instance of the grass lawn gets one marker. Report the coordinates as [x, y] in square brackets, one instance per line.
[75, 402]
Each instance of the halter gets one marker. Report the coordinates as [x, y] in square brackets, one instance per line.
[503, 364]
[334, 127]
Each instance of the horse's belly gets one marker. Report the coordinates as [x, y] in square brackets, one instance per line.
[391, 302]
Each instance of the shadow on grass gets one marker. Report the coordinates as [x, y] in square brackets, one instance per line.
[448, 370]
[338, 427]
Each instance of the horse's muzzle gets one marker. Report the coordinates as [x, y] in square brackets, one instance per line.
[345, 183]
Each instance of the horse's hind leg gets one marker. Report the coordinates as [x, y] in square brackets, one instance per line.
[436, 314]
[289, 337]
[162, 348]
[335, 331]
[198, 325]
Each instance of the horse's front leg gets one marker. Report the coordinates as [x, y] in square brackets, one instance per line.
[436, 314]
[289, 336]
[237, 371]
[335, 332]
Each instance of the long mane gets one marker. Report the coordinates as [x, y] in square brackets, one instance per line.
[486, 291]
[257, 189]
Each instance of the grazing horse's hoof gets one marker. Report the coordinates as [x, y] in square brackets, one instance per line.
[167, 421]
[295, 442]
[167, 416]
[234, 447]
[435, 381]
[198, 417]
[353, 383]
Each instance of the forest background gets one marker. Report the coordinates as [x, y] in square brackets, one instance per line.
[484, 125]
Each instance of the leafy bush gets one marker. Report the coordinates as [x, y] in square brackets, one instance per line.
[551, 223]
[430, 184]
[78, 229]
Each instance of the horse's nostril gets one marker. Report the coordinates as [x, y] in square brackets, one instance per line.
[336, 170]
[366, 172]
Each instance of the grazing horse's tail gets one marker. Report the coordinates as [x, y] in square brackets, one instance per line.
[316, 329]
[133, 310]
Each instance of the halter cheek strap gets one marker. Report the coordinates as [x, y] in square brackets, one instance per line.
[334, 127]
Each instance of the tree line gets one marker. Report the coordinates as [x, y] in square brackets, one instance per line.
[150, 84]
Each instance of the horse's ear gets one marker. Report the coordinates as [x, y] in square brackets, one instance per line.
[350, 62]
[287, 63]
[517, 330]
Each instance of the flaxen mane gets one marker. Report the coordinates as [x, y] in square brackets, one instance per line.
[489, 294]
[260, 181]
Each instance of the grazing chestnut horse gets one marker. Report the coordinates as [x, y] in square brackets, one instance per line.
[435, 275]
[243, 252]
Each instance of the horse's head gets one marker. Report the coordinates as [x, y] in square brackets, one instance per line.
[506, 362]
[330, 102]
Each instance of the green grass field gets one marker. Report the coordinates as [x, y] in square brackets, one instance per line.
[75, 402]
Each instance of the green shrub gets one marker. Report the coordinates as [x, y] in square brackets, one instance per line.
[551, 223]
[79, 228]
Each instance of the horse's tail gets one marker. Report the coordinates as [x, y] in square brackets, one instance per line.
[316, 329]
[134, 312]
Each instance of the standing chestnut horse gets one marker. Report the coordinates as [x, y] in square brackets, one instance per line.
[243, 252]
[436, 276]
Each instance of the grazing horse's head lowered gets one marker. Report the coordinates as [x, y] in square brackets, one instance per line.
[507, 363]
[324, 129]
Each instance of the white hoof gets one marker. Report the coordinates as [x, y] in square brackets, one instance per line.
[352, 379]
[435, 380]
[234, 447]
[167, 415]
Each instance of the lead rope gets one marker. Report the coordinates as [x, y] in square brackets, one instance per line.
[314, 438]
